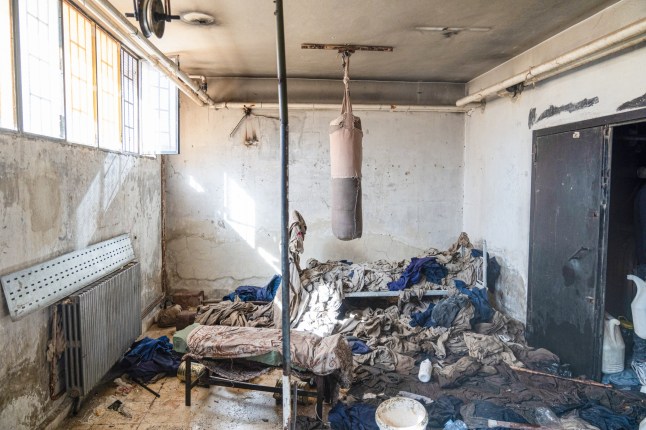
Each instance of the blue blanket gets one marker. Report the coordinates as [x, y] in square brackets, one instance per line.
[248, 293]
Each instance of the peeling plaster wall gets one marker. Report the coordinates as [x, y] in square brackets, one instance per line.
[498, 155]
[222, 197]
[56, 198]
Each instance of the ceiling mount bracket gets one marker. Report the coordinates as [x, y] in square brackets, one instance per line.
[347, 48]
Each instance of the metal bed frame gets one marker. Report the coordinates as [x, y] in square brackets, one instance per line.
[325, 386]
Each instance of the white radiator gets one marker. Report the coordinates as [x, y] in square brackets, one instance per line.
[100, 322]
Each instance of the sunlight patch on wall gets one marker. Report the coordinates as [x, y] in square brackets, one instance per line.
[195, 185]
[240, 211]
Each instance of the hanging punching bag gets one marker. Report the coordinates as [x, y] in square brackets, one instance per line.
[345, 162]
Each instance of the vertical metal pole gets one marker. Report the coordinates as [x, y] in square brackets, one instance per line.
[284, 216]
[485, 261]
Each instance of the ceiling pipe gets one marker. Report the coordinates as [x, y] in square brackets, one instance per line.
[603, 53]
[337, 106]
[201, 79]
[119, 24]
[579, 56]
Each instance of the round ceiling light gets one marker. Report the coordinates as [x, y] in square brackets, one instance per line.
[197, 18]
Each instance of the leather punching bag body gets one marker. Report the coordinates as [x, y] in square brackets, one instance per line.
[345, 161]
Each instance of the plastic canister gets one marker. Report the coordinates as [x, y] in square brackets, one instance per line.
[638, 306]
[612, 360]
[642, 425]
[425, 370]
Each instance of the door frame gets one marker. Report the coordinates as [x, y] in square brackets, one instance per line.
[609, 122]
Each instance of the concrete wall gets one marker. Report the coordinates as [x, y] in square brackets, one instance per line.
[499, 139]
[222, 196]
[56, 198]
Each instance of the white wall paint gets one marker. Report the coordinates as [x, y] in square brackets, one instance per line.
[223, 214]
[56, 198]
[498, 158]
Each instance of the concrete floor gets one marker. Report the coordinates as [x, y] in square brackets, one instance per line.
[213, 407]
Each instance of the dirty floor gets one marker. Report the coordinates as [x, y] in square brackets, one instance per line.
[212, 408]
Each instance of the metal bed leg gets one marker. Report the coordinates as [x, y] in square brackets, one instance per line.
[187, 381]
[320, 394]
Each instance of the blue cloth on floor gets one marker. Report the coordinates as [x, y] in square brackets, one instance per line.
[455, 425]
[413, 273]
[359, 347]
[423, 319]
[626, 379]
[248, 293]
[359, 416]
[478, 296]
[605, 419]
[149, 357]
[598, 415]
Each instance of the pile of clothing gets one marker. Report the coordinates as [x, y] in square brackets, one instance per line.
[475, 350]
[148, 359]
[432, 270]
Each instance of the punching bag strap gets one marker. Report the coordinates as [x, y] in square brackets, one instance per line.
[346, 109]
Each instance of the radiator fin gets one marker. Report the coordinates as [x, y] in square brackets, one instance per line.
[100, 322]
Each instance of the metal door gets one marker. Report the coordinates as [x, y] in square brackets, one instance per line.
[567, 240]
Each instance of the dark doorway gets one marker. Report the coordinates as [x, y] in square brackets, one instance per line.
[583, 233]
[625, 230]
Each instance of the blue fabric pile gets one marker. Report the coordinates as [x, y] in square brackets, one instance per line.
[359, 416]
[478, 296]
[423, 319]
[150, 357]
[624, 380]
[428, 266]
[599, 416]
[248, 293]
[444, 312]
[358, 346]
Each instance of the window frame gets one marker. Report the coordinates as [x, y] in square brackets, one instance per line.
[92, 134]
[118, 132]
[59, 61]
[174, 149]
[136, 105]
[19, 84]
[12, 27]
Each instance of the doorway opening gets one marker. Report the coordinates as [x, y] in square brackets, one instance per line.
[626, 221]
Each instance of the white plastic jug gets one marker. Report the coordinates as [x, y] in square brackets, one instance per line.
[425, 370]
[639, 306]
[612, 360]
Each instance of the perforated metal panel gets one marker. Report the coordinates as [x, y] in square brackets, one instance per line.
[42, 285]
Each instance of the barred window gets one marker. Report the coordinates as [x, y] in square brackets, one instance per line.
[159, 113]
[7, 94]
[78, 43]
[41, 71]
[130, 102]
[108, 94]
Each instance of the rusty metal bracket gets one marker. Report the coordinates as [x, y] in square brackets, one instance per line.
[347, 48]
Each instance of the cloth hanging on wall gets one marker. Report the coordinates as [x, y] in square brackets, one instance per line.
[345, 162]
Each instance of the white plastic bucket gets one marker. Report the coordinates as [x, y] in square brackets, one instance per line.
[401, 413]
